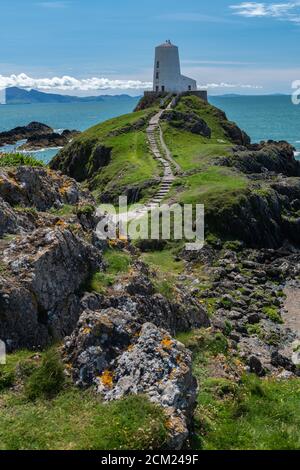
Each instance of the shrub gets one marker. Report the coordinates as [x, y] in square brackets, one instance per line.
[87, 210]
[118, 261]
[254, 329]
[217, 344]
[17, 159]
[273, 314]
[48, 379]
[25, 368]
[7, 378]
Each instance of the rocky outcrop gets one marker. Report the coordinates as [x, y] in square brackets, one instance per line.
[249, 305]
[190, 122]
[44, 266]
[40, 285]
[234, 133]
[37, 135]
[52, 139]
[262, 215]
[82, 159]
[274, 157]
[20, 133]
[111, 350]
[39, 188]
[14, 221]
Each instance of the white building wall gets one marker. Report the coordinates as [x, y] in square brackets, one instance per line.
[167, 74]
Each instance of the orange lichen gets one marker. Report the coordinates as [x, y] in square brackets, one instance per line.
[86, 331]
[167, 343]
[60, 223]
[107, 379]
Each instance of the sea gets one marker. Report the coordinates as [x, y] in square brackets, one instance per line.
[262, 117]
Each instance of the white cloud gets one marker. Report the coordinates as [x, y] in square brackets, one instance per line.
[289, 11]
[230, 85]
[67, 83]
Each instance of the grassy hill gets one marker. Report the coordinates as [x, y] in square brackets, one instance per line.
[112, 157]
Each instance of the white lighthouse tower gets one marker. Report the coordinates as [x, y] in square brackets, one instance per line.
[167, 74]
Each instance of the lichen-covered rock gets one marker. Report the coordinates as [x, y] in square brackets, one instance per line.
[48, 267]
[13, 221]
[139, 298]
[118, 355]
[38, 187]
[100, 336]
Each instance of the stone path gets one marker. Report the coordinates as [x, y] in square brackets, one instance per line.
[291, 316]
[165, 159]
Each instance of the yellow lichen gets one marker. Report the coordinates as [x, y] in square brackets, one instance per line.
[86, 331]
[60, 223]
[106, 379]
[167, 343]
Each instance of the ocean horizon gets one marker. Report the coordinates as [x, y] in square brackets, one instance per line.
[263, 117]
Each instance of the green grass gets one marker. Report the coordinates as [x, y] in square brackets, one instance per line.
[131, 162]
[255, 415]
[17, 159]
[7, 371]
[65, 210]
[192, 151]
[166, 268]
[215, 187]
[118, 262]
[164, 261]
[77, 420]
[72, 419]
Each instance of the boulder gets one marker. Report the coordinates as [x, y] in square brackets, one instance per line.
[40, 290]
[112, 351]
[39, 187]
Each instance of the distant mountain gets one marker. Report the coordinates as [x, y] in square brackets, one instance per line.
[16, 95]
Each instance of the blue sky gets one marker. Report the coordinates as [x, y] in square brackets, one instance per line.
[229, 46]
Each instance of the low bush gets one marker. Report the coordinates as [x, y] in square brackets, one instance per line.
[48, 379]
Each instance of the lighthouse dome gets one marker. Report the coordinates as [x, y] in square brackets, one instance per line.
[167, 44]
